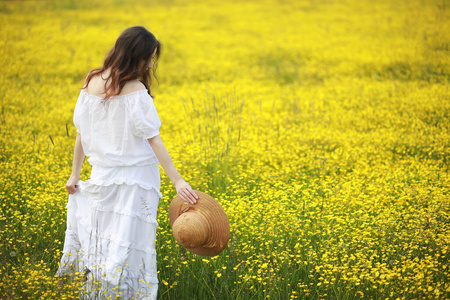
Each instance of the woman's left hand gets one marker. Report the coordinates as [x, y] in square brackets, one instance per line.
[72, 185]
[186, 192]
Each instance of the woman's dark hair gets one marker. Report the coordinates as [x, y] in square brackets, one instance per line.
[128, 60]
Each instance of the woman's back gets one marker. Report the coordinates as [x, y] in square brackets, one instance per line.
[97, 85]
[114, 132]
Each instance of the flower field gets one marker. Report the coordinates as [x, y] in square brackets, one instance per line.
[322, 128]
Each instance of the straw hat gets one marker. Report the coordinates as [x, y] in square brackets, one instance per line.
[201, 228]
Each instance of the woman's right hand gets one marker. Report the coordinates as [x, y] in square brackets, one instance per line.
[72, 185]
[185, 191]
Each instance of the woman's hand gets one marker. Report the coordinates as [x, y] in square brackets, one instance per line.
[185, 191]
[72, 185]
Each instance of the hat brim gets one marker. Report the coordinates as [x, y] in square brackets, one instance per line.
[217, 219]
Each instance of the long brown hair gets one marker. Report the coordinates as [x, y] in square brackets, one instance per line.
[128, 60]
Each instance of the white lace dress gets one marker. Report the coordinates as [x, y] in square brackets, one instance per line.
[111, 219]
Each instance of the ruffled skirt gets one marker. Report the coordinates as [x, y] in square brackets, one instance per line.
[111, 233]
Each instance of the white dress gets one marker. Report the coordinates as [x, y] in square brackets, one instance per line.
[111, 219]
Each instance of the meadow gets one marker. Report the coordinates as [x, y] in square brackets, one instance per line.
[322, 128]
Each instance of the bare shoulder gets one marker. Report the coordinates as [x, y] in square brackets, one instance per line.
[132, 86]
[96, 85]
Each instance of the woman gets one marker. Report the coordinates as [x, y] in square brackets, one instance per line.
[111, 218]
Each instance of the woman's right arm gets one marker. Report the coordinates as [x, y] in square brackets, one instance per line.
[78, 159]
[184, 190]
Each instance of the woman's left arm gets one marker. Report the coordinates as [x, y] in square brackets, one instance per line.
[78, 159]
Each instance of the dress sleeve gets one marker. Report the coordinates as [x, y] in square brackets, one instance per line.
[77, 112]
[145, 121]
